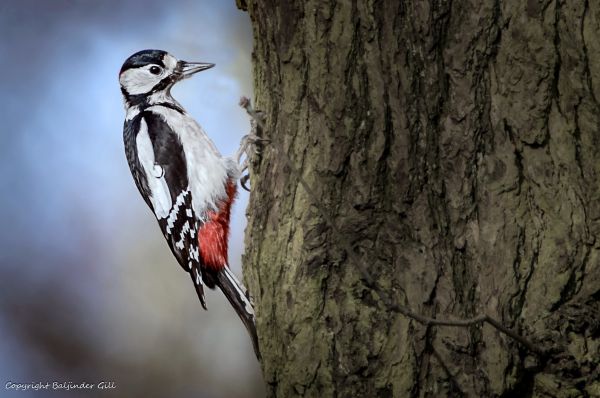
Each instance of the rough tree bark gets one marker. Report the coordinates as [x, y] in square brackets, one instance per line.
[457, 146]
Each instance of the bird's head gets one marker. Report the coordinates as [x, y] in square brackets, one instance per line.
[149, 72]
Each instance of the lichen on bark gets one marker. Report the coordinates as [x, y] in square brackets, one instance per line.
[456, 146]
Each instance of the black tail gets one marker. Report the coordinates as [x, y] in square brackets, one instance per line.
[237, 296]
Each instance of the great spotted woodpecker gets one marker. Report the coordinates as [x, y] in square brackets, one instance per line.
[181, 175]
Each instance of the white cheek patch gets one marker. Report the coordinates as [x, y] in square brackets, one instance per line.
[138, 81]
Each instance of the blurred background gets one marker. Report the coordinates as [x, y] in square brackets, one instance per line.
[89, 290]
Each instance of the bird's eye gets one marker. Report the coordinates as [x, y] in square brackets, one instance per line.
[155, 70]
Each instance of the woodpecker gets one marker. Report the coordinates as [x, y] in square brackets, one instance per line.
[181, 175]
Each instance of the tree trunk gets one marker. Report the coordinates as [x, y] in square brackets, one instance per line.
[457, 147]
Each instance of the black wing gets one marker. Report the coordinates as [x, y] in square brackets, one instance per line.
[180, 226]
[130, 130]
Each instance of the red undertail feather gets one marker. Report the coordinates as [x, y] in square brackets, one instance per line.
[214, 234]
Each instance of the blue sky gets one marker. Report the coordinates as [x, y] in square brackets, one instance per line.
[76, 230]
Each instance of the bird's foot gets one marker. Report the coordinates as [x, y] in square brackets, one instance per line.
[244, 180]
[251, 144]
[258, 117]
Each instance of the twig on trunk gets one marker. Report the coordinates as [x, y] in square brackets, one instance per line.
[427, 321]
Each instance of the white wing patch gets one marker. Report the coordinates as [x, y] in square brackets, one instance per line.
[198, 277]
[175, 211]
[160, 196]
[186, 227]
[207, 169]
[194, 253]
[132, 112]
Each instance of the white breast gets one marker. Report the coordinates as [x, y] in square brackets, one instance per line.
[207, 170]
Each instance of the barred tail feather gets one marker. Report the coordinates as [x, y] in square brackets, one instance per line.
[237, 296]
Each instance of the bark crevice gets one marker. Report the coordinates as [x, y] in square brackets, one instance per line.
[454, 146]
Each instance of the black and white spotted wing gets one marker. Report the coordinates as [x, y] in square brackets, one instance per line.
[157, 162]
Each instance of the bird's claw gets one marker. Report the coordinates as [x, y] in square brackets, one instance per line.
[259, 115]
[253, 140]
[256, 141]
[256, 115]
[250, 144]
[244, 180]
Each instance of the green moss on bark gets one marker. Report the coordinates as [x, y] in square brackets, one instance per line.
[456, 145]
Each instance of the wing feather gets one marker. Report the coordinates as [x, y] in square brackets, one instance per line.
[168, 179]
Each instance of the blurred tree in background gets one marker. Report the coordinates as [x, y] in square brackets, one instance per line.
[455, 145]
[89, 290]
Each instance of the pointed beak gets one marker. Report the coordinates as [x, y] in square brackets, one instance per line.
[187, 69]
